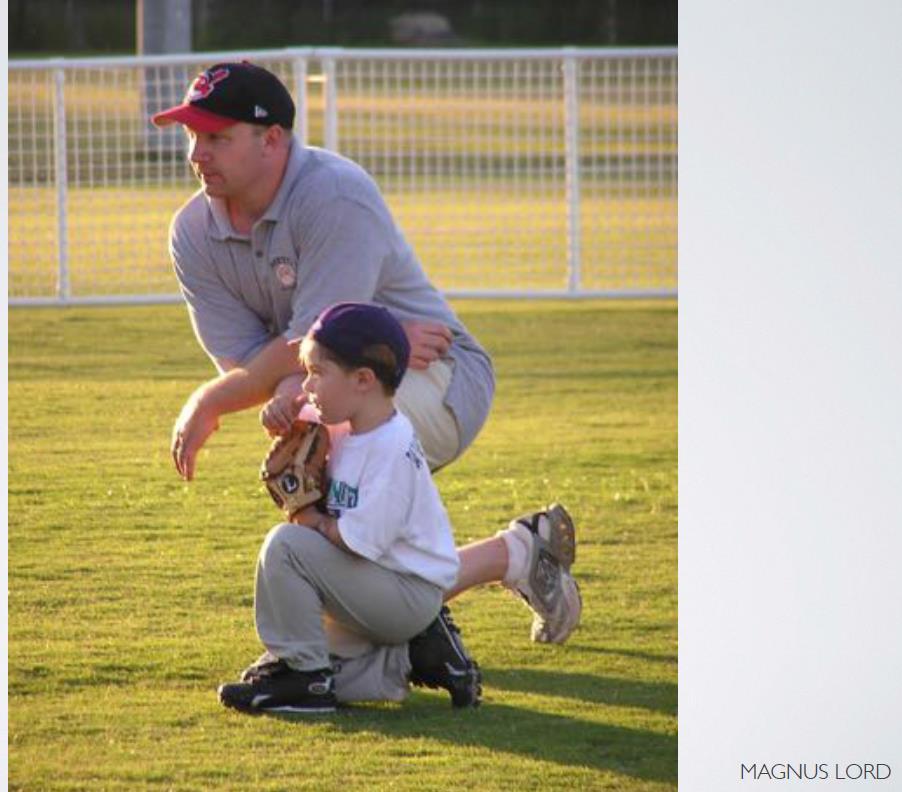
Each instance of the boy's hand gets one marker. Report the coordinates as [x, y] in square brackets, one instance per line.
[311, 517]
[279, 413]
[324, 524]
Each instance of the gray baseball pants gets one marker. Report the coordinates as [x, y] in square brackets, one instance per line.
[317, 606]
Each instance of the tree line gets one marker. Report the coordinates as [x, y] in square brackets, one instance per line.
[71, 27]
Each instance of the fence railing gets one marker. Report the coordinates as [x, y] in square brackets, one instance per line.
[512, 172]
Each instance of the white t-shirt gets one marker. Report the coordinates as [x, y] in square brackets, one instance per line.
[386, 503]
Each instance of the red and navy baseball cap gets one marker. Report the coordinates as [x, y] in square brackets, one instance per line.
[228, 93]
[355, 331]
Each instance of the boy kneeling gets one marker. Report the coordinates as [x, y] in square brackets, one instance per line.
[365, 582]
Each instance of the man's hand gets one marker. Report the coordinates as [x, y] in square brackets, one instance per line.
[429, 341]
[196, 422]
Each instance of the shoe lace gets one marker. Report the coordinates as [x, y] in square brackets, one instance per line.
[266, 670]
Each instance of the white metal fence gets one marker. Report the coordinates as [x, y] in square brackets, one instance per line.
[512, 172]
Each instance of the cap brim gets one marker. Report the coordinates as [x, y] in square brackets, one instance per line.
[193, 117]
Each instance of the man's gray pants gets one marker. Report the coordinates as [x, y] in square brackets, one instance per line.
[318, 606]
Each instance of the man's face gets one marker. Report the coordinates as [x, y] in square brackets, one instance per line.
[228, 162]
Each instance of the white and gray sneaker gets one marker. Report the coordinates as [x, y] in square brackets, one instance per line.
[548, 587]
[556, 628]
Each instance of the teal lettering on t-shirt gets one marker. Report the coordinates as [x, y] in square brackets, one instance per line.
[342, 495]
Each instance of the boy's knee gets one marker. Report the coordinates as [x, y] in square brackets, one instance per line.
[286, 541]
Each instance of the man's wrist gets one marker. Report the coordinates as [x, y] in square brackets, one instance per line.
[227, 393]
[205, 397]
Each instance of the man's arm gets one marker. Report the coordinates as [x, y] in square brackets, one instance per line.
[350, 250]
[237, 389]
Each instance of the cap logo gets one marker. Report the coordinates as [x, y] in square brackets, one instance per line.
[204, 84]
[259, 112]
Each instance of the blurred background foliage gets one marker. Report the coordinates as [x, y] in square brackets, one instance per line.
[77, 27]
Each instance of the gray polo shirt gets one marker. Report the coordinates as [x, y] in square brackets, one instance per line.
[328, 236]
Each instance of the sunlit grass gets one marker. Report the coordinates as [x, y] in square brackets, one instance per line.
[130, 593]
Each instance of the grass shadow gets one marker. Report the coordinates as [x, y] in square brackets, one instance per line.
[611, 691]
[564, 740]
[650, 657]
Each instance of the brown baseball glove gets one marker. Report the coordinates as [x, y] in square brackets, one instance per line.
[294, 469]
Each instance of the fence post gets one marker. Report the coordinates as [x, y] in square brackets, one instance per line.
[571, 166]
[62, 184]
[330, 132]
[301, 123]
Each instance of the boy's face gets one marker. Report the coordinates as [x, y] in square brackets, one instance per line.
[335, 394]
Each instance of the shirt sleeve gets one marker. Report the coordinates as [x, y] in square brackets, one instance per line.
[383, 507]
[226, 328]
[341, 259]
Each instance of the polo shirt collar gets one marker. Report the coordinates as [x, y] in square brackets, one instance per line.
[220, 226]
[297, 157]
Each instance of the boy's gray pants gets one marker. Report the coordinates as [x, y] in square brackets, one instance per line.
[317, 605]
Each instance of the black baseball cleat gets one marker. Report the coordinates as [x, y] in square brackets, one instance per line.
[262, 666]
[439, 659]
[275, 688]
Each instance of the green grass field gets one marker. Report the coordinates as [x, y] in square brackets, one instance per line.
[130, 592]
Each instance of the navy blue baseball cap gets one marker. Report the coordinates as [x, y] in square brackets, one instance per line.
[228, 93]
[354, 331]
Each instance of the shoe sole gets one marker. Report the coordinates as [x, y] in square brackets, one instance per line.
[279, 710]
[283, 710]
[562, 541]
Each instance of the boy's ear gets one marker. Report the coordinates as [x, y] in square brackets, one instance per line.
[365, 377]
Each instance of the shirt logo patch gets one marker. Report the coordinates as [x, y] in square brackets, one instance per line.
[285, 271]
[342, 496]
